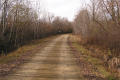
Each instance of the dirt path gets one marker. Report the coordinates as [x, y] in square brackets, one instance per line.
[54, 62]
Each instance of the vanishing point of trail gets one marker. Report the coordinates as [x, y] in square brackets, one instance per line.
[54, 62]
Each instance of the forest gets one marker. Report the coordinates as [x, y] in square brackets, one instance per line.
[98, 26]
[20, 23]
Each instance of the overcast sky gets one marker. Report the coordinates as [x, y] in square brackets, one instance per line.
[63, 8]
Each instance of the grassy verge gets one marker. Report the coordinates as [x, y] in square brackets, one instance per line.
[95, 61]
[98, 63]
[22, 50]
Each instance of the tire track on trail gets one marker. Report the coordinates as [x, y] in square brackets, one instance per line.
[54, 62]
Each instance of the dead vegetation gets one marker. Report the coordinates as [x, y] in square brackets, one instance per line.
[20, 23]
[92, 61]
[98, 26]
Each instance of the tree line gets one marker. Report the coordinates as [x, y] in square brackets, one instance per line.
[21, 23]
[98, 23]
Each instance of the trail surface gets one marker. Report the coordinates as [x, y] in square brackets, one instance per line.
[54, 62]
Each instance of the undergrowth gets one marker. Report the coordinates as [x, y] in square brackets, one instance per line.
[94, 59]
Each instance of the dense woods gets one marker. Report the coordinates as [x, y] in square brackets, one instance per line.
[21, 23]
[98, 23]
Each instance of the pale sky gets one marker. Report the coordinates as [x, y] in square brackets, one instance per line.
[62, 8]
